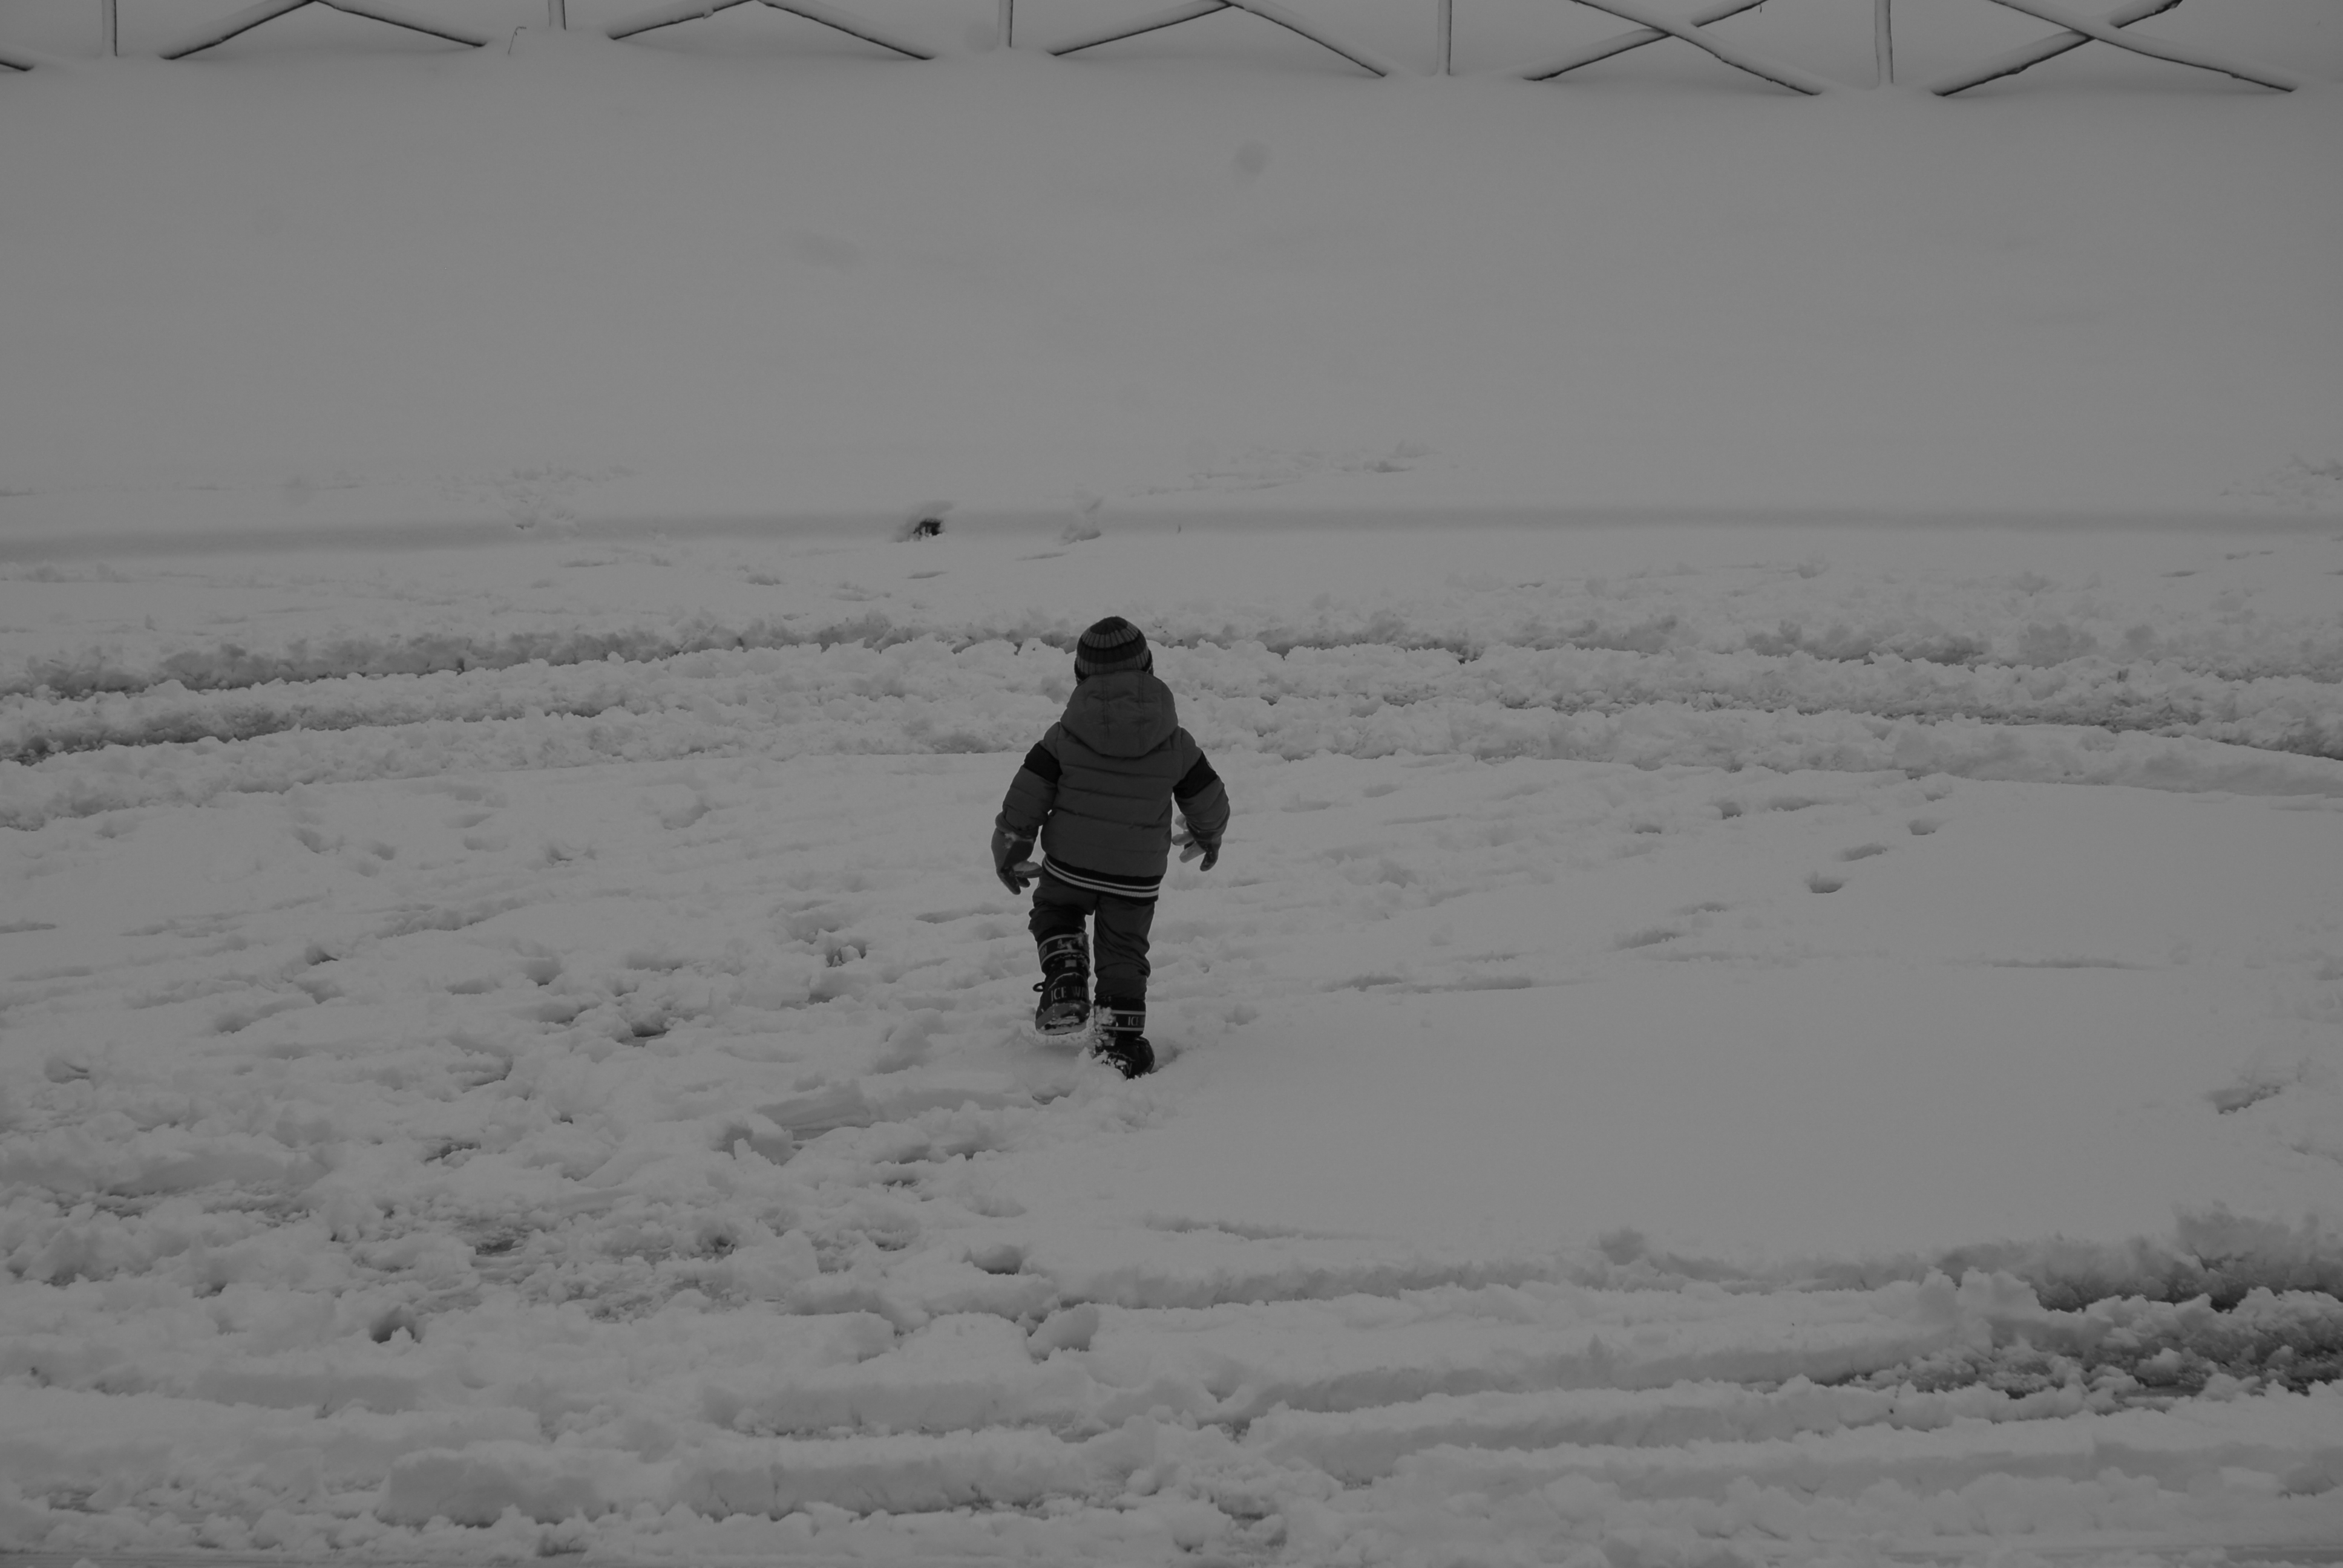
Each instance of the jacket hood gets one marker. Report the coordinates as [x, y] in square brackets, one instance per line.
[1127, 713]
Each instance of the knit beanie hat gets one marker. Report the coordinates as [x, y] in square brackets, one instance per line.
[1111, 645]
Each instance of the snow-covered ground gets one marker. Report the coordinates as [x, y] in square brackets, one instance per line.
[334, 275]
[1708, 1043]
[1776, 993]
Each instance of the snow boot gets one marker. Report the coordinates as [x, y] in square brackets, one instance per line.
[1065, 1008]
[1121, 1038]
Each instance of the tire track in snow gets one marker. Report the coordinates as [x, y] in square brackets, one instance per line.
[82, 756]
[2290, 713]
[2030, 635]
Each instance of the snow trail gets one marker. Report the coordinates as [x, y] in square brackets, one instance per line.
[584, 1107]
[1871, 664]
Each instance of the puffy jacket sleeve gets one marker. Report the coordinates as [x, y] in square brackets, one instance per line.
[1033, 793]
[1202, 799]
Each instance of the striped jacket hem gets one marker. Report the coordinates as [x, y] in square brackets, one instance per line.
[1143, 889]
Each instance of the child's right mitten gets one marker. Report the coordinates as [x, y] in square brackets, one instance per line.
[1009, 861]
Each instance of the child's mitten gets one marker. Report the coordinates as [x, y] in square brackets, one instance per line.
[1009, 861]
[1192, 844]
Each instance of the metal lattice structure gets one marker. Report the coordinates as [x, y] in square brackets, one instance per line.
[1267, 10]
[2079, 30]
[812, 10]
[2075, 29]
[1651, 28]
[245, 21]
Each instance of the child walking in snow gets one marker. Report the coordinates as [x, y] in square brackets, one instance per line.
[1098, 789]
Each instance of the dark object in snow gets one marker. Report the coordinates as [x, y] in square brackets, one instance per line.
[923, 522]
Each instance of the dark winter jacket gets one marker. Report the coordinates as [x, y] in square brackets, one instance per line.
[1100, 786]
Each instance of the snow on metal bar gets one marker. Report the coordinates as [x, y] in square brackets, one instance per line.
[1733, 55]
[413, 21]
[1153, 22]
[2081, 29]
[668, 15]
[1623, 42]
[244, 21]
[1271, 11]
[1267, 10]
[830, 16]
[812, 10]
[2049, 48]
[397, 16]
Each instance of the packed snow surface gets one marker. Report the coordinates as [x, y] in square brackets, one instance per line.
[1708, 1044]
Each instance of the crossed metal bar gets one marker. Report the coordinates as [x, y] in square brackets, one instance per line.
[2081, 30]
[1650, 28]
[245, 21]
[812, 10]
[1267, 10]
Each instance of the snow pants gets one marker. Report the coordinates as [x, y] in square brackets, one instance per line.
[1118, 957]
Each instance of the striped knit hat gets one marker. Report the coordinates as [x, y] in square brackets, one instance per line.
[1111, 645]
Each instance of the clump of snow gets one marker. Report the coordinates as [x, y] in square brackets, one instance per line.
[2296, 485]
